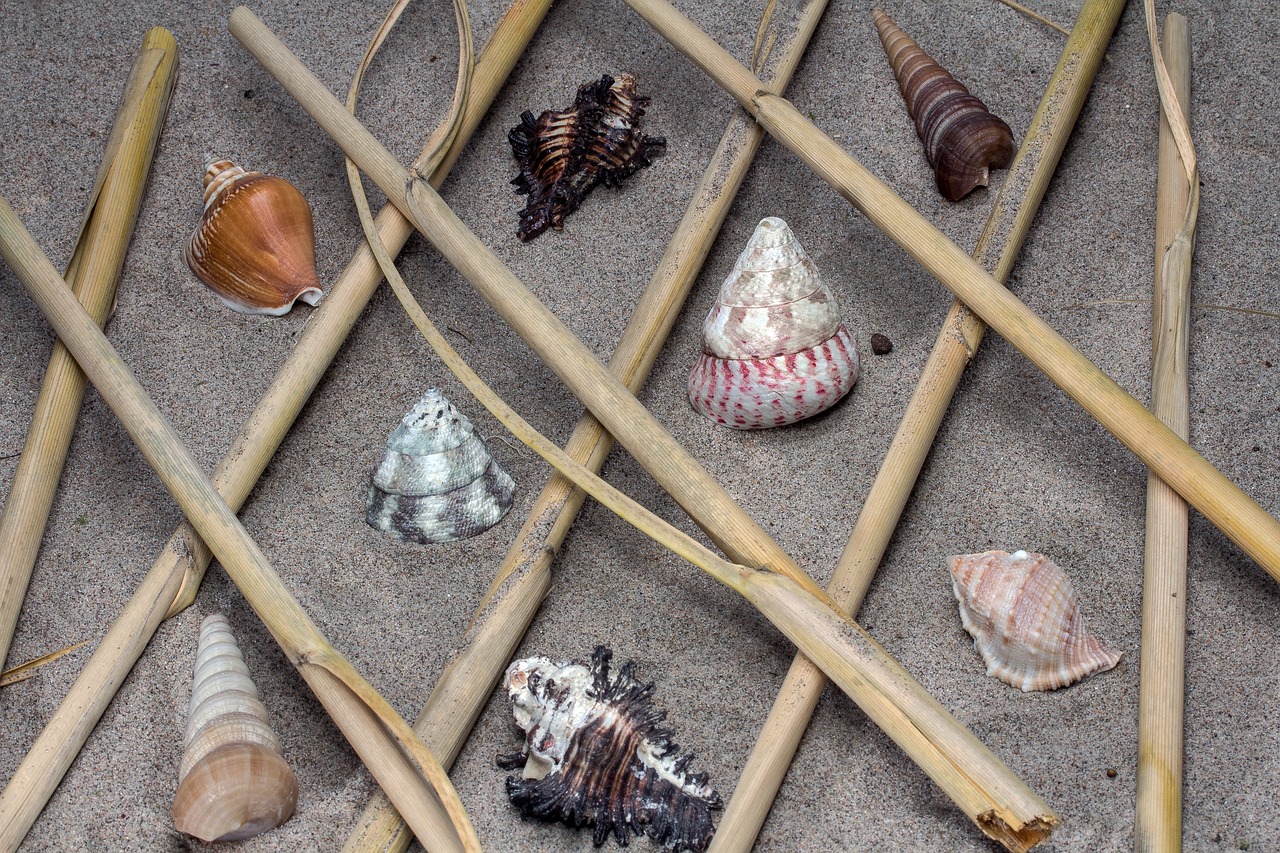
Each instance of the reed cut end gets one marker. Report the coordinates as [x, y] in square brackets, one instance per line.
[1024, 836]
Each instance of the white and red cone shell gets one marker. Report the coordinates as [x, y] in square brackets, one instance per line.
[774, 349]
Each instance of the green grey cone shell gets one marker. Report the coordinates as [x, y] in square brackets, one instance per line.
[437, 481]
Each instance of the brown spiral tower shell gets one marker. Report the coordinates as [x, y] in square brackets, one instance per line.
[962, 139]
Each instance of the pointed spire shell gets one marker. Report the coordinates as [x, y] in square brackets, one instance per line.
[962, 139]
[233, 782]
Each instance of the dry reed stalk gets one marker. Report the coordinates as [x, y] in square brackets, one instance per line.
[93, 273]
[984, 788]
[171, 584]
[23, 671]
[1035, 16]
[523, 578]
[1158, 821]
[958, 340]
[814, 624]
[1203, 486]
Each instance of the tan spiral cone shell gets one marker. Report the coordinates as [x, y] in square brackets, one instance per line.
[962, 139]
[233, 782]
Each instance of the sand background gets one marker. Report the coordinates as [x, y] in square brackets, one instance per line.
[1016, 464]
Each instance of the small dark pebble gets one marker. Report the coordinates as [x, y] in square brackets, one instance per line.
[248, 93]
[881, 345]
[1111, 773]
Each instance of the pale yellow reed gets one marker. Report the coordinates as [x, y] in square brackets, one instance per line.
[93, 273]
[958, 339]
[1158, 821]
[524, 576]
[388, 746]
[1202, 485]
[171, 584]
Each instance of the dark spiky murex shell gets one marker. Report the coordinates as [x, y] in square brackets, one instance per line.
[962, 139]
[563, 155]
[609, 772]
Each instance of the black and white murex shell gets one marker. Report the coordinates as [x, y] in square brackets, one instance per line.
[565, 154]
[594, 754]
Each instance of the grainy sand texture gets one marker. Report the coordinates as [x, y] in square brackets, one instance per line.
[1016, 465]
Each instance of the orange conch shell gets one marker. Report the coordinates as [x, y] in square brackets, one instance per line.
[233, 782]
[1021, 610]
[962, 139]
[255, 244]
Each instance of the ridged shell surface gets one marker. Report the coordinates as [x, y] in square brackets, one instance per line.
[563, 155]
[962, 139]
[774, 349]
[437, 481]
[1022, 612]
[255, 244]
[594, 754]
[233, 781]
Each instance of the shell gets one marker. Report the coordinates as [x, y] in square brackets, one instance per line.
[962, 139]
[774, 349]
[437, 481]
[233, 782]
[594, 754]
[564, 155]
[1021, 610]
[255, 244]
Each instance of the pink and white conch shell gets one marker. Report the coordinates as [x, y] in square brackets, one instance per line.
[774, 349]
[1021, 610]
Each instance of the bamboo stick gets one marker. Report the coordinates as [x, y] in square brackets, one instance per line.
[1202, 485]
[958, 340]
[171, 584]
[93, 273]
[1158, 822]
[987, 790]
[524, 576]
[393, 753]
